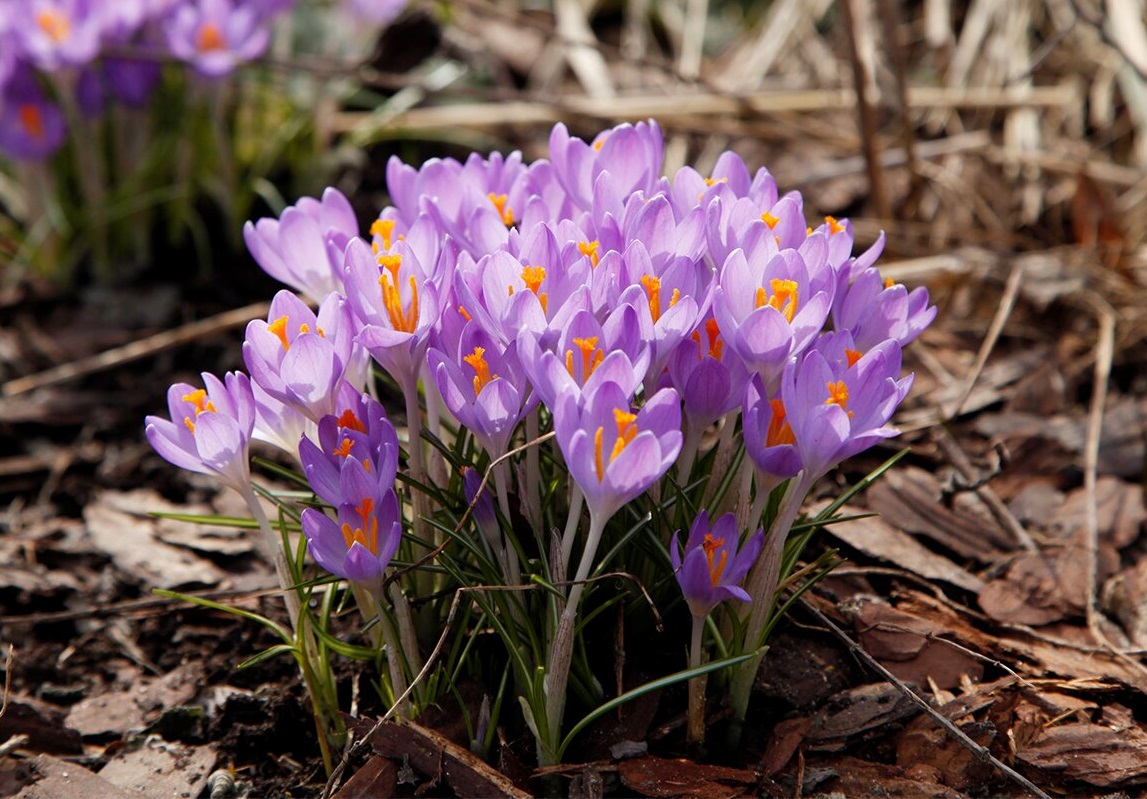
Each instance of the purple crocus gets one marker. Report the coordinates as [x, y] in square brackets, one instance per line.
[210, 428]
[304, 247]
[31, 127]
[484, 387]
[58, 33]
[299, 357]
[873, 309]
[360, 542]
[711, 381]
[613, 453]
[215, 36]
[712, 566]
[631, 154]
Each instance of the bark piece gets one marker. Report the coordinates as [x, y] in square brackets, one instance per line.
[656, 776]
[857, 711]
[378, 777]
[433, 754]
[1097, 755]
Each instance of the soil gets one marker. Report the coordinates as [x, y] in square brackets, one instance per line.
[983, 635]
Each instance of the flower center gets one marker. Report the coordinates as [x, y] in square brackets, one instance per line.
[55, 24]
[834, 227]
[482, 376]
[770, 220]
[533, 276]
[591, 358]
[626, 432]
[713, 333]
[367, 534]
[711, 545]
[202, 404]
[499, 201]
[32, 120]
[400, 319]
[837, 394]
[210, 38]
[589, 249]
[279, 328]
[383, 229]
[784, 298]
[780, 431]
[348, 420]
[344, 448]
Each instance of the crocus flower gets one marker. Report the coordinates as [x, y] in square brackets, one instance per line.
[215, 36]
[210, 428]
[299, 357]
[712, 566]
[484, 386]
[711, 380]
[872, 309]
[58, 33]
[772, 304]
[31, 127]
[358, 545]
[612, 452]
[836, 409]
[304, 246]
[631, 154]
[769, 439]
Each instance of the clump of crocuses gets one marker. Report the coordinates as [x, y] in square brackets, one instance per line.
[582, 348]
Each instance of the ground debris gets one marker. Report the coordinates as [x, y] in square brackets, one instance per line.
[657, 776]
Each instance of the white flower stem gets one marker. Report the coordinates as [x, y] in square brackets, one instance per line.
[561, 648]
[533, 472]
[762, 585]
[423, 580]
[274, 546]
[695, 727]
[570, 533]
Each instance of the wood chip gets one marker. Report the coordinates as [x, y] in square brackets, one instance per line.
[161, 769]
[61, 780]
[1090, 753]
[657, 776]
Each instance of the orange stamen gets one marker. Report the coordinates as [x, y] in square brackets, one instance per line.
[837, 394]
[32, 120]
[626, 431]
[343, 449]
[889, 282]
[533, 276]
[210, 38]
[499, 201]
[591, 357]
[404, 320]
[653, 289]
[833, 225]
[348, 420]
[589, 249]
[853, 356]
[383, 229]
[597, 454]
[785, 297]
[770, 220]
[779, 432]
[482, 376]
[279, 328]
[711, 545]
[55, 24]
[465, 314]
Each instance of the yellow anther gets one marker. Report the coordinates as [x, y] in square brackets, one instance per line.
[482, 376]
[32, 120]
[279, 328]
[714, 182]
[499, 201]
[343, 449]
[465, 314]
[779, 432]
[391, 263]
[770, 220]
[711, 545]
[833, 225]
[785, 297]
[401, 320]
[210, 38]
[384, 230]
[597, 464]
[626, 431]
[591, 357]
[853, 356]
[55, 24]
[198, 398]
[533, 276]
[589, 248]
[367, 534]
[349, 421]
[653, 289]
[889, 282]
[837, 394]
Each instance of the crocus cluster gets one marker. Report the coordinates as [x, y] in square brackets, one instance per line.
[91, 53]
[584, 294]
